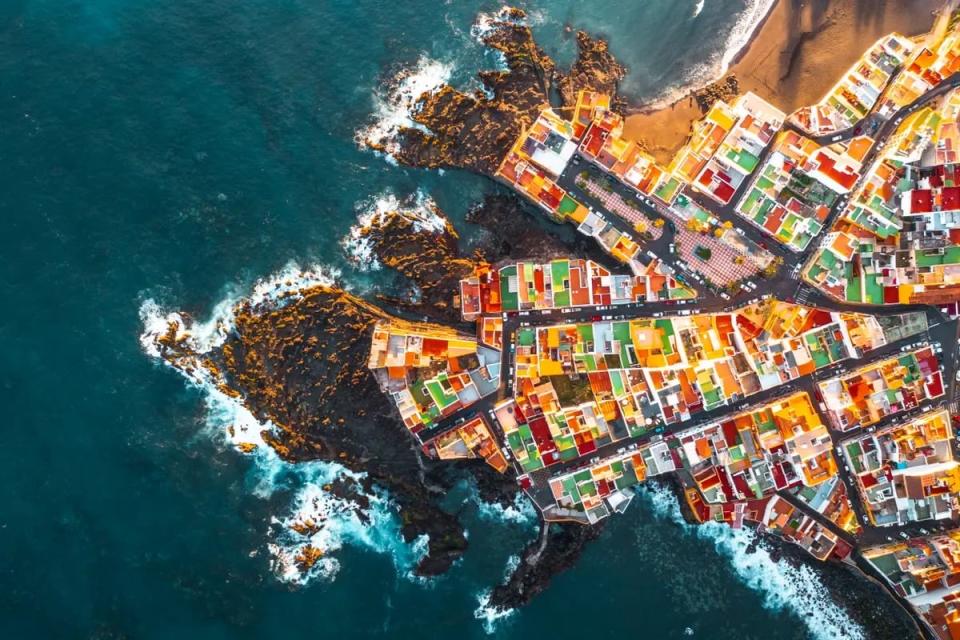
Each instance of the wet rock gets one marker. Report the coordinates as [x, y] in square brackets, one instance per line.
[308, 556]
[725, 89]
[595, 69]
[429, 260]
[556, 549]
[474, 131]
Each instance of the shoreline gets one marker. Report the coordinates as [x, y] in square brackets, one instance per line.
[757, 29]
[668, 102]
[791, 60]
[861, 596]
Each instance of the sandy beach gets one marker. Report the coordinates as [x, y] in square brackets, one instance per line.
[797, 54]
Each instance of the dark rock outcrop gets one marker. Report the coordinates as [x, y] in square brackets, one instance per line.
[430, 260]
[595, 69]
[474, 131]
[514, 229]
[725, 89]
[302, 365]
[556, 549]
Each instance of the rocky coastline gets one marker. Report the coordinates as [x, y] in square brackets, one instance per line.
[302, 365]
[865, 600]
[474, 131]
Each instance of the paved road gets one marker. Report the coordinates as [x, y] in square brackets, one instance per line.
[782, 287]
[944, 333]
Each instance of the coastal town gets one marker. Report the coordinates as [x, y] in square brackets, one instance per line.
[780, 332]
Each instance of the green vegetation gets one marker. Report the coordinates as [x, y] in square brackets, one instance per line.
[571, 390]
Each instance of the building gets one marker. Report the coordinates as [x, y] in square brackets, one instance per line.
[857, 92]
[431, 372]
[907, 473]
[793, 193]
[866, 395]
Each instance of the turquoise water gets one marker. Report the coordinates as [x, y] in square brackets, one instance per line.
[177, 151]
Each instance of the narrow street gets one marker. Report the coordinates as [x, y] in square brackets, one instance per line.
[787, 286]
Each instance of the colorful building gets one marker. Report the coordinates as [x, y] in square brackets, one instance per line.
[537, 159]
[926, 572]
[739, 154]
[561, 284]
[596, 491]
[769, 448]
[604, 145]
[857, 92]
[895, 385]
[895, 240]
[471, 440]
[579, 386]
[907, 473]
[792, 195]
[431, 372]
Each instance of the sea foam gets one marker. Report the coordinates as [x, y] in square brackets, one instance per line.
[419, 209]
[324, 521]
[519, 512]
[333, 521]
[716, 65]
[204, 336]
[397, 101]
[487, 23]
[784, 586]
[492, 617]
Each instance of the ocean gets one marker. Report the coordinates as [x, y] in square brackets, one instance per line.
[161, 156]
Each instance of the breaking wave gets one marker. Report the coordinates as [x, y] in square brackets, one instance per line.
[397, 101]
[320, 521]
[419, 208]
[783, 586]
[492, 617]
[718, 64]
[204, 336]
[240, 428]
[521, 511]
[487, 23]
